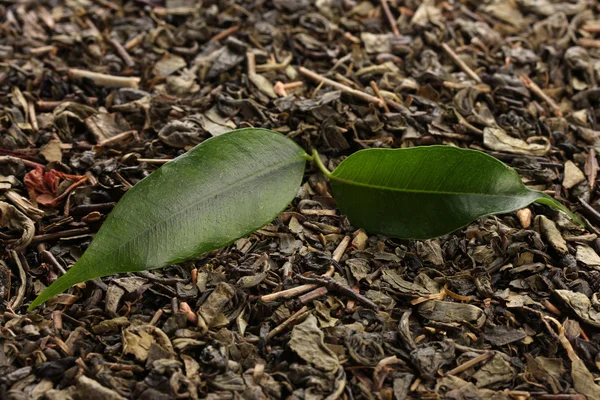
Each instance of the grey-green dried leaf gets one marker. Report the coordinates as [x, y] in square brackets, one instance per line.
[502, 335]
[580, 305]
[430, 357]
[537, 368]
[497, 139]
[212, 309]
[456, 313]
[307, 342]
[409, 289]
[497, 370]
[110, 325]
[552, 234]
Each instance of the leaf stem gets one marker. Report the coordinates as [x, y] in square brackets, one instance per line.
[308, 157]
[319, 163]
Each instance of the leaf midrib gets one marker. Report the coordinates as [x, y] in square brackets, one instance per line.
[416, 191]
[212, 195]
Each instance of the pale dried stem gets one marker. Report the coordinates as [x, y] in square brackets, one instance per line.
[32, 116]
[463, 367]
[122, 52]
[378, 93]
[105, 79]
[390, 17]
[293, 318]
[336, 85]
[116, 139]
[461, 64]
[158, 161]
[18, 301]
[532, 86]
[298, 290]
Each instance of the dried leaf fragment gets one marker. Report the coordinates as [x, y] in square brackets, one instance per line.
[573, 175]
[552, 234]
[12, 218]
[580, 305]
[497, 139]
[307, 342]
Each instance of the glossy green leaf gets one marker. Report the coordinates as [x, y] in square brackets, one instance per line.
[219, 191]
[425, 192]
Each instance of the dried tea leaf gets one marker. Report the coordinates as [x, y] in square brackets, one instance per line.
[573, 175]
[376, 43]
[552, 234]
[580, 305]
[431, 251]
[51, 151]
[588, 256]
[13, 219]
[458, 313]
[168, 64]
[307, 342]
[359, 267]
[503, 335]
[497, 139]
[430, 357]
[537, 368]
[407, 288]
[497, 370]
[213, 123]
[212, 309]
[263, 84]
[90, 389]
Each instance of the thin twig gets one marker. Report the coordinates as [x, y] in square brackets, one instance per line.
[591, 210]
[293, 318]
[118, 138]
[377, 92]
[463, 367]
[32, 116]
[532, 86]
[17, 160]
[461, 64]
[122, 52]
[154, 160]
[332, 284]
[589, 43]
[105, 79]
[23, 278]
[390, 17]
[58, 235]
[298, 290]
[225, 33]
[354, 92]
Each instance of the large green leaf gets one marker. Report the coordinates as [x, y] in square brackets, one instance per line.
[219, 191]
[425, 192]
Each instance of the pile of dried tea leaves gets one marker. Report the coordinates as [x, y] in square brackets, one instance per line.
[95, 95]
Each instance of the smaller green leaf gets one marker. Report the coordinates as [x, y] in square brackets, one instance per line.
[221, 190]
[425, 192]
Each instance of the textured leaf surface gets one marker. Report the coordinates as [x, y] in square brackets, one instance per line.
[218, 192]
[425, 192]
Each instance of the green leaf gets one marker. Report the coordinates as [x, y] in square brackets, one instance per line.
[219, 191]
[425, 192]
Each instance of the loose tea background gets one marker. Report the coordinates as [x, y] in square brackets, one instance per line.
[96, 95]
